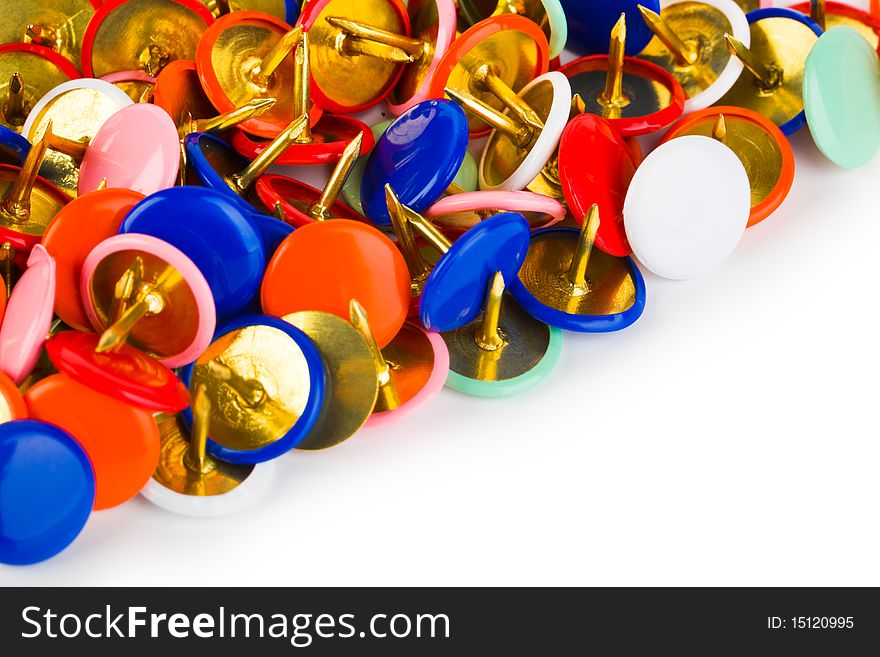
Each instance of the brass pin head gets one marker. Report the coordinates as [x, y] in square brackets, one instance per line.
[322, 209]
[488, 337]
[719, 130]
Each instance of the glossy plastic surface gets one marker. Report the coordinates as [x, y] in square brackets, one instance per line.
[366, 266]
[212, 232]
[125, 373]
[13, 147]
[28, 316]
[295, 198]
[12, 405]
[525, 203]
[682, 240]
[595, 166]
[47, 493]
[590, 23]
[197, 146]
[310, 412]
[272, 230]
[419, 155]
[137, 148]
[455, 291]
[842, 97]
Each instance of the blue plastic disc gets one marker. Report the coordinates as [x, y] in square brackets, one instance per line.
[314, 402]
[272, 230]
[291, 9]
[211, 231]
[419, 154]
[455, 291]
[590, 23]
[13, 147]
[47, 489]
[209, 159]
[575, 322]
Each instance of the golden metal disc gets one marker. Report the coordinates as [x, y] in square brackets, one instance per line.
[781, 43]
[748, 5]
[134, 89]
[173, 474]
[138, 30]
[235, 53]
[757, 149]
[702, 28]
[57, 24]
[511, 56]
[352, 80]
[646, 96]
[39, 76]
[351, 384]
[837, 20]
[502, 157]
[547, 183]
[410, 359]
[222, 7]
[169, 332]
[255, 358]
[424, 19]
[612, 289]
[527, 342]
[473, 11]
[77, 115]
[45, 204]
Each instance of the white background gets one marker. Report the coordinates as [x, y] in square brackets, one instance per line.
[728, 438]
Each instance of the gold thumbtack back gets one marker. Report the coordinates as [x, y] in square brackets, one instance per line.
[7, 258]
[486, 79]
[16, 207]
[612, 99]
[251, 391]
[488, 337]
[321, 210]
[76, 150]
[387, 399]
[227, 120]
[767, 76]
[418, 268]
[360, 39]
[13, 107]
[684, 54]
[240, 182]
[261, 72]
[196, 457]
[520, 134]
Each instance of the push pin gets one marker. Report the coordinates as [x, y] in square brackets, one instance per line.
[836, 14]
[565, 282]
[760, 145]
[301, 203]
[246, 56]
[548, 14]
[765, 86]
[79, 227]
[351, 385]
[504, 352]
[179, 92]
[27, 73]
[265, 380]
[59, 26]
[418, 267]
[684, 240]
[77, 110]
[689, 43]
[517, 151]
[590, 23]
[493, 61]
[143, 291]
[842, 110]
[360, 51]
[189, 481]
[49, 480]
[366, 266]
[460, 212]
[121, 440]
[155, 32]
[636, 96]
[28, 201]
[602, 178]
[217, 166]
[410, 370]
[434, 132]
[213, 233]
[28, 315]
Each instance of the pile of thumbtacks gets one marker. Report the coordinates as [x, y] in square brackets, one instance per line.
[176, 316]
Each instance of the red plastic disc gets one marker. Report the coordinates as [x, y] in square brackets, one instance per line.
[296, 198]
[587, 77]
[595, 166]
[81, 225]
[127, 374]
[122, 441]
[62, 63]
[329, 138]
[324, 265]
[272, 122]
[474, 38]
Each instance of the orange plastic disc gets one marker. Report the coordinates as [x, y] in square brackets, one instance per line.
[702, 122]
[179, 92]
[122, 441]
[78, 228]
[324, 265]
[875, 8]
[12, 406]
